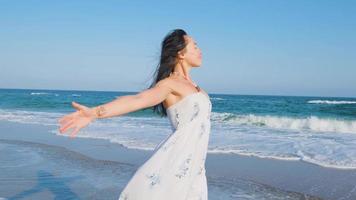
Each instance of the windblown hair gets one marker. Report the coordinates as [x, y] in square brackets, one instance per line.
[172, 43]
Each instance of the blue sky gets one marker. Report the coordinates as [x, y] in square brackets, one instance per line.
[249, 47]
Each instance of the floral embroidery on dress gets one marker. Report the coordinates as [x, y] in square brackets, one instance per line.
[165, 147]
[196, 110]
[169, 144]
[177, 116]
[209, 113]
[202, 128]
[180, 157]
[184, 167]
[154, 178]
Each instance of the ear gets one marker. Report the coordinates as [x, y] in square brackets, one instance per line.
[181, 54]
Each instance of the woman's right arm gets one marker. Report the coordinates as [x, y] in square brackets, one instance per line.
[130, 103]
[121, 105]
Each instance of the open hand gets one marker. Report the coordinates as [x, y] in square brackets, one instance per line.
[77, 120]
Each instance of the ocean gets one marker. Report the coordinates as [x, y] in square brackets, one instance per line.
[317, 130]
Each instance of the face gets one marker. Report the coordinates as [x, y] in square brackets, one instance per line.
[191, 54]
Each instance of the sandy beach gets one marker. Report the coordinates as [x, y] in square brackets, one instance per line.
[37, 163]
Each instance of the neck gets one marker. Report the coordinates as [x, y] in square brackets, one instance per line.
[184, 70]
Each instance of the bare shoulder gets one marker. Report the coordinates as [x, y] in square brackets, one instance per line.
[168, 83]
[171, 83]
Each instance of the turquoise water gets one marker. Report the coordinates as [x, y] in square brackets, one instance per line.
[286, 106]
[319, 130]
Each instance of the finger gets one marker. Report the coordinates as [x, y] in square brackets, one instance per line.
[72, 135]
[66, 117]
[67, 123]
[77, 105]
[65, 128]
[62, 119]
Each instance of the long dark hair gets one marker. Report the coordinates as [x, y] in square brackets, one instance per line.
[172, 43]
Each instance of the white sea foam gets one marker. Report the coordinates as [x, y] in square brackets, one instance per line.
[262, 136]
[326, 149]
[29, 117]
[39, 93]
[43, 93]
[331, 102]
[311, 123]
[217, 98]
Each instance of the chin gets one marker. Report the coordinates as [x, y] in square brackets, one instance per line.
[197, 64]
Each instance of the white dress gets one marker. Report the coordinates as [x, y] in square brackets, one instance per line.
[176, 170]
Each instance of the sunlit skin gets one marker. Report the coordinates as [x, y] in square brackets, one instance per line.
[169, 91]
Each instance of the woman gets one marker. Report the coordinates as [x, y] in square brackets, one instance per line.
[176, 170]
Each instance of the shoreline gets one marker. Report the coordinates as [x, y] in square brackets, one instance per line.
[288, 175]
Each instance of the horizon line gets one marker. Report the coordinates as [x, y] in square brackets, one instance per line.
[280, 95]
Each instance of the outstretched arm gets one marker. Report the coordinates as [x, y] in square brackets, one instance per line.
[130, 103]
[121, 105]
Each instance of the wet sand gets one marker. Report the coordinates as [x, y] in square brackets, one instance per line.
[37, 163]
